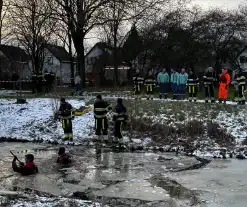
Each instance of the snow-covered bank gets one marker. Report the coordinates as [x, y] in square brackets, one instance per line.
[34, 121]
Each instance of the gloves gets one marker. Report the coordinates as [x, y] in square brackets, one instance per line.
[15, 158]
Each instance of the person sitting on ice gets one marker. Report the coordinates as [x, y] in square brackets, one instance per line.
[25, 169]
[63, 157]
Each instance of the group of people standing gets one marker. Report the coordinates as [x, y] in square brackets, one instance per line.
[101, 109]
[180, 83]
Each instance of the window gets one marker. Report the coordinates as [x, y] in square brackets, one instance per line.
[91, 60]
[50, 60]
[243, 59]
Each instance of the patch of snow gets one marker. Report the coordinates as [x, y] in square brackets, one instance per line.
[34, 120]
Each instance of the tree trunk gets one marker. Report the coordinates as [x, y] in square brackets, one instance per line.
[115, 61]
[72, 69]
[81, 63]
[1, 21]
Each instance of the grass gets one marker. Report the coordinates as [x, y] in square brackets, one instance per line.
[168, 122]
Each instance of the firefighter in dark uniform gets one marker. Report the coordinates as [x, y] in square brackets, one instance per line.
[209, 79]
[241, 81]
[192, 84]
[66, 115]
[138, 83]
[101, 109]
[25, 169]
[149, 83]
[119, 118]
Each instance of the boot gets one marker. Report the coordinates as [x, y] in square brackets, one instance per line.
[224, 101]
[220, 101]
[206, 101]
[160, 96]
[165, 96]
[243, 102]
[212, 101]
[174, 97]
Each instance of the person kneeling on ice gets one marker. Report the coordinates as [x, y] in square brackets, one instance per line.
[25, 169]
[119, 119]
[66, 114]
[63, 157]
[101, 109]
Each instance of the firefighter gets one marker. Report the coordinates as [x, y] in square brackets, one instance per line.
[192, 83]
[183, 78]
[149, 83]
[66, 114]
[241, 82]
[101, 109]
[224, 85]
[119, 118]
[209, 79]
[163, 79]
[63, 157]
[138, 83]
[174, 83]
[25, 169]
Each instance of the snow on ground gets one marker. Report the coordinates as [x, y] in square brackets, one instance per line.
[34, 120]
[53, 202]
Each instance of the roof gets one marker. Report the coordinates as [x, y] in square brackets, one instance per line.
[101, 45]
[14, 54]
[59, 52]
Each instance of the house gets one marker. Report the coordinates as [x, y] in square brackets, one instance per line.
[99, 64]
[57, 60]
[13, 60]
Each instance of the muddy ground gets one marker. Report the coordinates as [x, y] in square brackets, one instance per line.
[102, 177]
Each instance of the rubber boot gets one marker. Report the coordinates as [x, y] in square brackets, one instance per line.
[212, 101]
[224, 101]
[206, 101]
[220, 101]
[165, 96]
[160, 96]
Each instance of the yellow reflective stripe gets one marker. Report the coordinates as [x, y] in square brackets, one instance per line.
[100, 109]
[193, 87]
[96, 123]
[100, 116]
[241, 83]
[189, 89]
[151, 88]
[63, 124]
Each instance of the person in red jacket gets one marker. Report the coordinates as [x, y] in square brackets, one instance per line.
[63, 157]
[224, 85]
[25, 169]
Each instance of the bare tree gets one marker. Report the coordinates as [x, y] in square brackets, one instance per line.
[81, 16]
[32, 25]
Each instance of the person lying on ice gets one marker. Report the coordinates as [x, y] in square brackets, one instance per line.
[63, 157]
[119, 119]
[25, 169]
[66, 114]
[101, 109]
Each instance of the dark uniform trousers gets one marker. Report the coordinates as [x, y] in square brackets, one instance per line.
[138, 83]
[67, 128]
[209, 92]
[101, 125]
[149, 83]
[241, 87]
[120, 120]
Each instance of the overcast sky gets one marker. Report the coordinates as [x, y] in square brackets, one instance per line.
[226, 4]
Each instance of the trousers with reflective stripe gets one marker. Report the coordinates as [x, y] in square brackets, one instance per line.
[192, 92]
[67, 128]
[101, 125]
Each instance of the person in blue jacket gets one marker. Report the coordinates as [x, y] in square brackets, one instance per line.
[183, 78]
[174, 83]
[163, 81]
